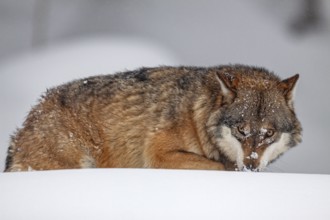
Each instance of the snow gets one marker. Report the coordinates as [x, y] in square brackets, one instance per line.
[254, 155]
[263, 131]
[162, 194]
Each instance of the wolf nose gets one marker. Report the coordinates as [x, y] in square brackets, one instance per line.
[250, 168]
[251, 162]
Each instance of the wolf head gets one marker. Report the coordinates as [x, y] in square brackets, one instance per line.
[258, 122]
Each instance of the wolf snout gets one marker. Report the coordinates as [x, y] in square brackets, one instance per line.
[251, 162]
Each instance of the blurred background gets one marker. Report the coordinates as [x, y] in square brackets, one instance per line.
[44, 43]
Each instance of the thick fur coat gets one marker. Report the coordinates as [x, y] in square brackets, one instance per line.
[220, 118]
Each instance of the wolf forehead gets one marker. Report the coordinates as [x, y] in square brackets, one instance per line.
[265, 108]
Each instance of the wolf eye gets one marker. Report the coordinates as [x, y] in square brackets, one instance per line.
[241, 129]
[270, 133]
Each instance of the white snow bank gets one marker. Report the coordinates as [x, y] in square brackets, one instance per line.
[162, 194]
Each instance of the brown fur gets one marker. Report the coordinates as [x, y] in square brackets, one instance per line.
[164, 117]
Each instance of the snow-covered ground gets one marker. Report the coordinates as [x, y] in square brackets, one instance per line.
[163, 194]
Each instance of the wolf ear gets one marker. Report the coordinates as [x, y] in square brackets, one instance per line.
[288, 87]
[228, 85]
